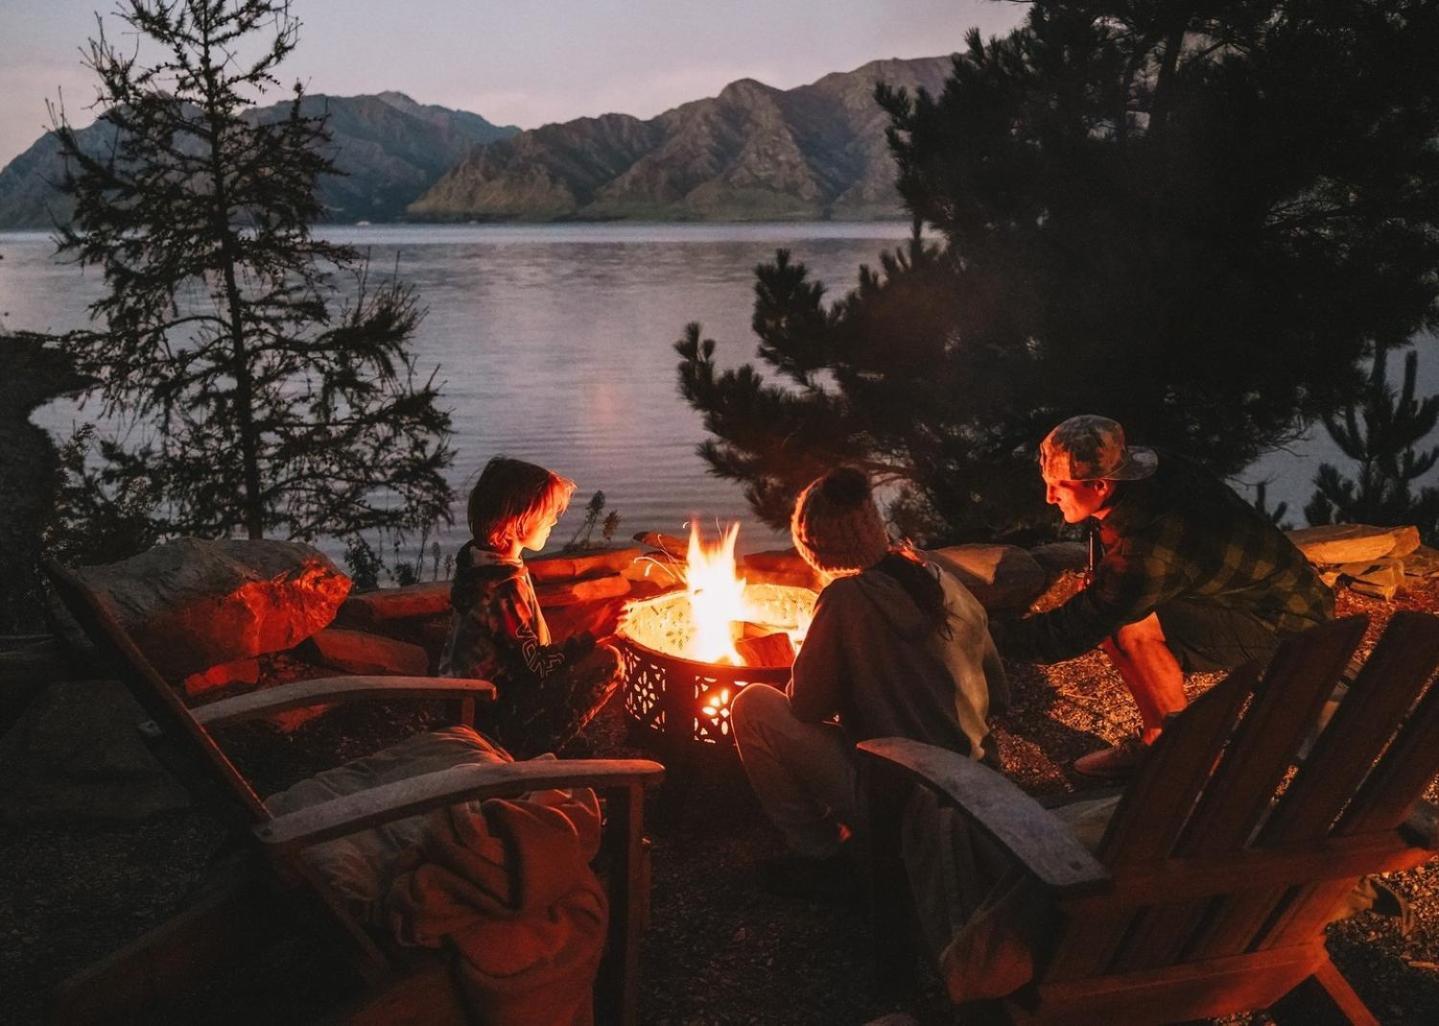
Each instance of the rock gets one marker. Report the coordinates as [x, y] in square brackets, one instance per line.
[670, 544]
[1001, 576]
[779, 566]
[192, 604]
[411, 602]
[76, 755]
[566, 566]
[358, 652]
[1377, 578]
[240, 671]
[590, 589]
[1422, 562]
[1058, 557]
[1353, 543]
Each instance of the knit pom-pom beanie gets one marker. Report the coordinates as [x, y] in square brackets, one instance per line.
[836, 525]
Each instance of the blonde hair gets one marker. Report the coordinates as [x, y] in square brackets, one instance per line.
[512, 498]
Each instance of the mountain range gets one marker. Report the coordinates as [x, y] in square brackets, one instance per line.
[753, 152]
[389, 148]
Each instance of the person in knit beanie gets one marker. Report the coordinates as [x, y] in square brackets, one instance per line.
[898, 648]
[836, 526]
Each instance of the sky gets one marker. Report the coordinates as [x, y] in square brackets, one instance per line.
[524, 64]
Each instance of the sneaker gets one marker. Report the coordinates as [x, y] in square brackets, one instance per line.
[830, 879]
[1117, 763]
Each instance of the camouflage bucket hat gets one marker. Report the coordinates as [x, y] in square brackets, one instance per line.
[1090, 448]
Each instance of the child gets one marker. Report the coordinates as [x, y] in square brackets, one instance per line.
[498, 632]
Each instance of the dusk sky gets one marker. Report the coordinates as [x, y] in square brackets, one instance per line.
[521, 64]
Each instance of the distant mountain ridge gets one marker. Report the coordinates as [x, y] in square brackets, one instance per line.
[390, 148]
[753, 152]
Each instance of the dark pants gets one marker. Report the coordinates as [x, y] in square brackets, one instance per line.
[1205, 636]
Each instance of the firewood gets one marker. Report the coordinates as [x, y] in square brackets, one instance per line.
[773, 649]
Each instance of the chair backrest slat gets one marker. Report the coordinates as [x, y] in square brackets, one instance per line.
[1364, 724]
[1301, 675]
[1382, 803]
[184, 746]
[1151, 816]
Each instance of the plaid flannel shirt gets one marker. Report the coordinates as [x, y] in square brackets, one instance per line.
[1180, 535]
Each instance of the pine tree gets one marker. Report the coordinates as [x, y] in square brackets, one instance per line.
[1388, 465]
[270, 403]
[1195, 219]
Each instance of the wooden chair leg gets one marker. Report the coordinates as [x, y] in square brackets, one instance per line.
[617, 988]
[1323, 998]
[891, 914]
[1349, 1004]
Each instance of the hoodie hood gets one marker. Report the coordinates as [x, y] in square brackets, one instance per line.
[476, 565]
[893, 603]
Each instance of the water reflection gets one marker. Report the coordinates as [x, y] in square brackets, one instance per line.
[553, 342]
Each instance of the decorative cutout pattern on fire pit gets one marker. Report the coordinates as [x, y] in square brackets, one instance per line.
[686, 701]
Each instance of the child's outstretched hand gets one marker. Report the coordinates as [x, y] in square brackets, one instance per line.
[613, 622]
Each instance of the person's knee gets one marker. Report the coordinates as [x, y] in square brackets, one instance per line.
[754, 705]
[1133, 638]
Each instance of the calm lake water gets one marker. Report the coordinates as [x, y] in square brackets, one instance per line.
[554, 345]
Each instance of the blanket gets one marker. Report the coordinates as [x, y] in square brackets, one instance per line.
[509, 888]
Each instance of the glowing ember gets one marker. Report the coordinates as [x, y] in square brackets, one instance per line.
[703, 621]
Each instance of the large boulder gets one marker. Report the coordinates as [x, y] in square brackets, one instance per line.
[192, 604]
[1001, 576]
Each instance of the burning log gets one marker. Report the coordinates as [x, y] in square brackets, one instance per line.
[773, 649]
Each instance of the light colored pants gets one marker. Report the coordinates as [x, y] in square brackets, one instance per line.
[804, 773]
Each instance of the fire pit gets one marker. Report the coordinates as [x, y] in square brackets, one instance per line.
[688, 653]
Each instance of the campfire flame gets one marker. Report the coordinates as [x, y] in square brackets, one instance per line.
[716, 593]
[720, 601]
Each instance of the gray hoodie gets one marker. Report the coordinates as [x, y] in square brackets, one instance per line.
[872, 658]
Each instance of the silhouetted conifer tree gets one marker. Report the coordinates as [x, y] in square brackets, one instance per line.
[270, 403]
[1387, 464]
[1195, 218]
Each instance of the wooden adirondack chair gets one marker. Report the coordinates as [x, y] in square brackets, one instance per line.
[1222, 864]
[270, 879]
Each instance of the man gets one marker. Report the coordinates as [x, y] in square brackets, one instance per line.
[1192, 577]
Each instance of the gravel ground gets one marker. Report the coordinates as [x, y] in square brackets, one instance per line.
[719, 951]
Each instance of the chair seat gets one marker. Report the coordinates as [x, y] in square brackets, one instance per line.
[359, 867]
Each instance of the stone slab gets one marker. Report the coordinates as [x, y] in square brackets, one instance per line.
[383, 605]
[240, 671]
[358, 652]
[591, 589]
[1335, 544]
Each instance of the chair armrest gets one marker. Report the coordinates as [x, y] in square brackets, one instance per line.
[300, 693]
[355, 812]
[1004, 812]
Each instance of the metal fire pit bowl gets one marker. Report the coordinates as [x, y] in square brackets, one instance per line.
[678, 703]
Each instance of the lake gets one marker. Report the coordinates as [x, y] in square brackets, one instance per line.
[554, 345]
